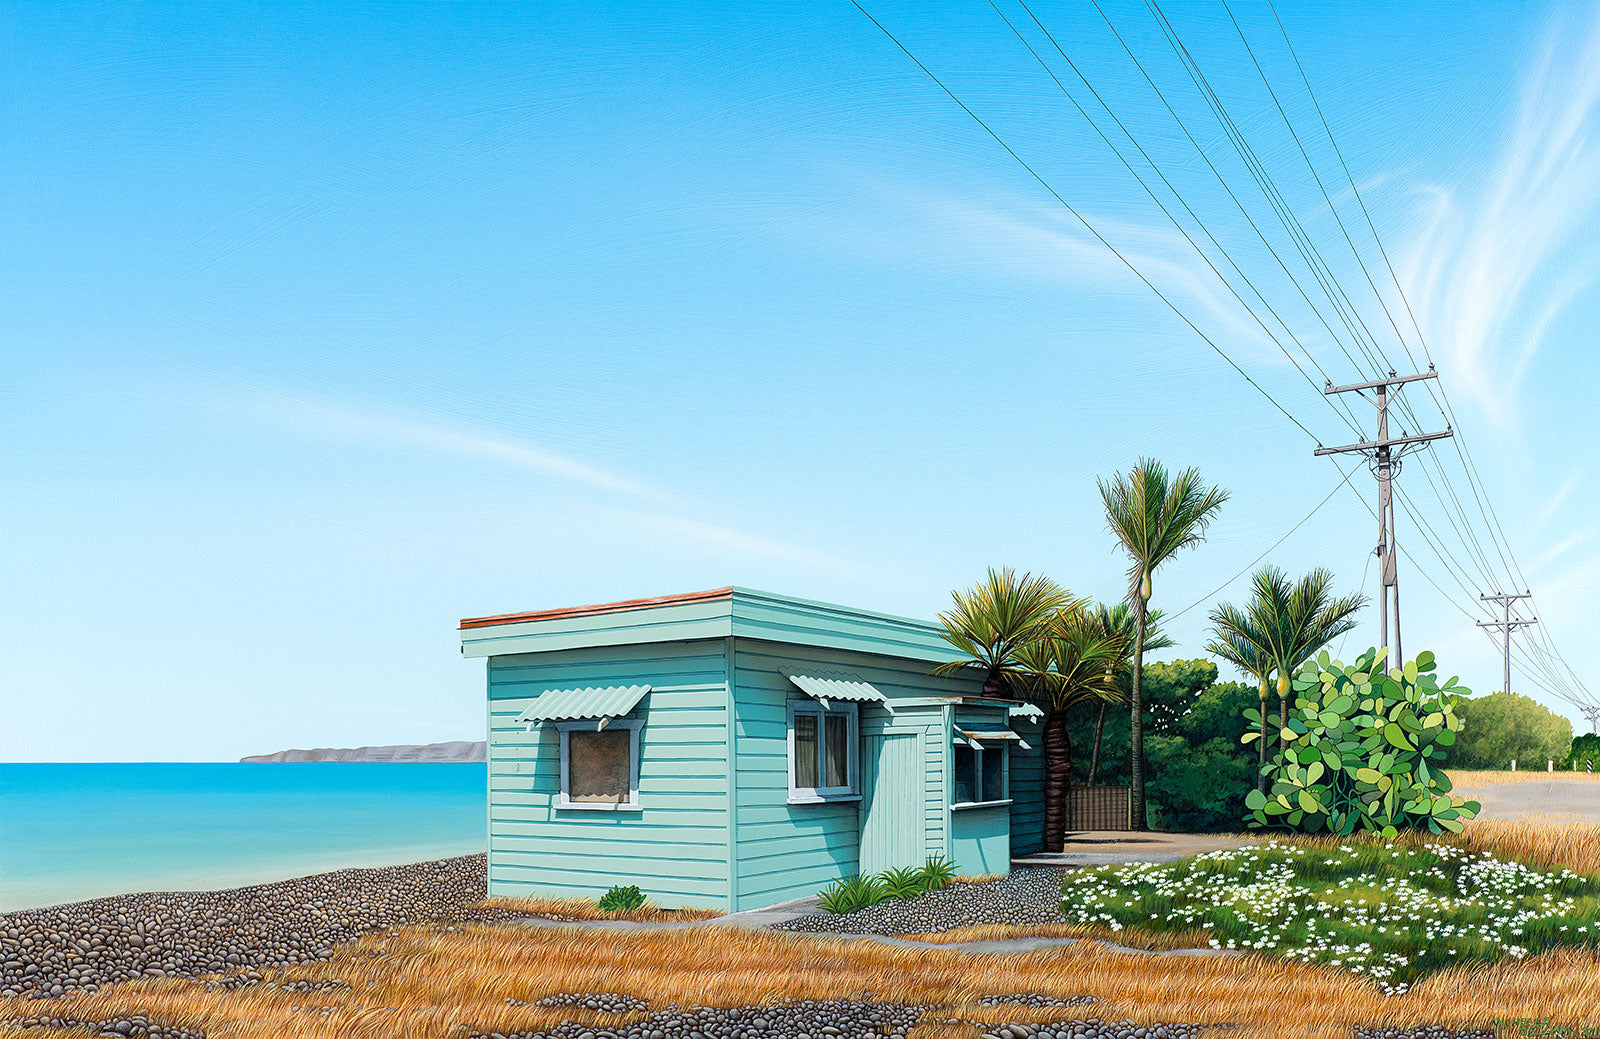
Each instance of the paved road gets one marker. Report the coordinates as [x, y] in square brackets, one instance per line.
[1568, 799]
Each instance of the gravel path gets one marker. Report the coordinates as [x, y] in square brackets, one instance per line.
[239, 933]
[1027, 896]
[85, 945]
[835, 1019]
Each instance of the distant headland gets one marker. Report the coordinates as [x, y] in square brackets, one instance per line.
[453, 750]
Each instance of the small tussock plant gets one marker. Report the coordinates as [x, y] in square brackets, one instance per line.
[590, 909]
[852, 894]
[622, 900]
[1391, 912]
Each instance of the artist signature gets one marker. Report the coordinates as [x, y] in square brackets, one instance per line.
[1544, 1027]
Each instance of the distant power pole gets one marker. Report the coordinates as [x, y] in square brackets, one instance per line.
[1383, 456]
[1506, 626]
[1593, 714]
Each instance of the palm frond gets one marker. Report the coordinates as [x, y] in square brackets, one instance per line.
[1154, 516]
[993, 621]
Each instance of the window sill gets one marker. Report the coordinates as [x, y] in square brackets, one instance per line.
[821, 799]
[979, 804]
[580, 807]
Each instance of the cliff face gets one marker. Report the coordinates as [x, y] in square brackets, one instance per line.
[454, 750]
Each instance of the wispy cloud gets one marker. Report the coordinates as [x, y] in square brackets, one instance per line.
[442, 439]
[1548, 512]
[1042, 244]
[653, 507]
[1052, 245]
[1494, 269]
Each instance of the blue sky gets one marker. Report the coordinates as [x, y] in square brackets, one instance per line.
[327, 325]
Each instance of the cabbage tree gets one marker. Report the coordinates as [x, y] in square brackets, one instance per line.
[1154, 516]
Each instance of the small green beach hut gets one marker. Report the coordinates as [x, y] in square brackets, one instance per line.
[737, 749]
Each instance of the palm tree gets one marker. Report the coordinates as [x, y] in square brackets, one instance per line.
[1074, 661]
[1153, 517]
[1119, 618]
[1279, 630]
[1247, 645]
[1312, 618]
[992, 622]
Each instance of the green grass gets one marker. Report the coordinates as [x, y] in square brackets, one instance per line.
[1389, 912]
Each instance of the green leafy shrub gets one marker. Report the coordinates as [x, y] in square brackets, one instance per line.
[1364, 749]
[905, 882]
[851, 894]
[1198, 787]
[937, 872]
[1585, 749]
[1502, 727]
[622, 899]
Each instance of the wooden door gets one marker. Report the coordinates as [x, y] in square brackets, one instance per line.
[892, 804]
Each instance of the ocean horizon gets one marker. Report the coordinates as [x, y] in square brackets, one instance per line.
[74, 831]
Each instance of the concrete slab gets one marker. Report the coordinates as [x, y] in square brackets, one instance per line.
[750, 919]
[1110, 847]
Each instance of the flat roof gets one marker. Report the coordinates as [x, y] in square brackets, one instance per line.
[604, 607]
[717, 613]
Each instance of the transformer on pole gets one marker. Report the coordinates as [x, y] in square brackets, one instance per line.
[1383, 454]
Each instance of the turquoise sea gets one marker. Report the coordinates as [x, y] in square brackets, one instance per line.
[75, 831]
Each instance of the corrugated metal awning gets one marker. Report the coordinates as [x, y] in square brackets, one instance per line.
[602, 702]
[1027, 710]
[976, 738]
[836, 685]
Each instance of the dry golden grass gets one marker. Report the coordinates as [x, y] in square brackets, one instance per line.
[424, 983]
[586, 909]
[1136, 939]
[1574, 846]
[1489, 778]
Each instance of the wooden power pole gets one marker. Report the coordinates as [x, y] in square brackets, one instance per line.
[1506, 626]
[1383, 455]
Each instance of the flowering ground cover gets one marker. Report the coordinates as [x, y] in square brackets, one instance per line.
[1388, 911]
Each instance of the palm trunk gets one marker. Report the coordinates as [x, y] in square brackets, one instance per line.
[1094, 755]
[1283, 719]
[1136, 813]
[1261, 772]
[1057, 779]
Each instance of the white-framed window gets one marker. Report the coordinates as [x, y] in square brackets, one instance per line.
[981, 774]
[824, 751]
[599, 766]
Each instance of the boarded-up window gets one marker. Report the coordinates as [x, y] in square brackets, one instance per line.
[599, 767]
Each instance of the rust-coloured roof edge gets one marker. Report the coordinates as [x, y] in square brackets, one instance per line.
[605, 607]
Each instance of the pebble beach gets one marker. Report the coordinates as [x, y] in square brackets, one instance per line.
[84, 946]
[231, 937]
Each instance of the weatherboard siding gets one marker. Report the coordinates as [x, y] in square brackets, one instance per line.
[1027, 789]
[785, 851]
[675, 847]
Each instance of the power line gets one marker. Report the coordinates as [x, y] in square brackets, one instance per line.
[1161, 205]
[1321, 272]
[1469, 465]
[1315, 509]
[1081, 219]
